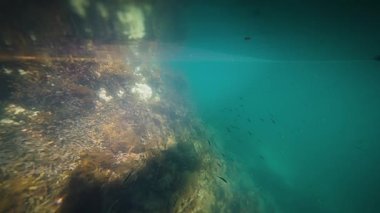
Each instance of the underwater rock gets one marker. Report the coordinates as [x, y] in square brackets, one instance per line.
[129, 154]
[7, 121]
[102, 94]
[143, 91]
[13, 109]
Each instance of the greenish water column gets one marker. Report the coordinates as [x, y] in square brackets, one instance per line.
[289, 90]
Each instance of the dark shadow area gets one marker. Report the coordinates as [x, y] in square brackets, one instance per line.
[154, 188]
[5, 86]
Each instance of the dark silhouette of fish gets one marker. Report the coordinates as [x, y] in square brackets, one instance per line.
[209, 142]
[234, 126]
[228, 129]
[272, 118]
[128, 176]
[377, 58]
[249, 120]
[273, 121]
[359, 147]
[247, 38]
[224, 180]
[250, 132]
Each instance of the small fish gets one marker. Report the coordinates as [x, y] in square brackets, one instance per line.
[272, 118]
[228, 129]
[376, 58]
[209, 142]
[220, 165]
[261, 157]
[249, 120]
[247, 38]
[234, 126]
[250, 132]
[112, 205]
[358, 147]
[224, 180]
[126, 179]
[273, 121]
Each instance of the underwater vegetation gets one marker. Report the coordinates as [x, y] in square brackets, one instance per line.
[80, 134]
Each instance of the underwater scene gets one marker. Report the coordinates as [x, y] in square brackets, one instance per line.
[111, 106]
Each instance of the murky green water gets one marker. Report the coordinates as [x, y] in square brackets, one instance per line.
[296, 105]
[306, 134]
[190, 106]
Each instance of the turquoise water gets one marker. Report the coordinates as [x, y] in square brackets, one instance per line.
[296, 106]
[287, 93]
[305, 133]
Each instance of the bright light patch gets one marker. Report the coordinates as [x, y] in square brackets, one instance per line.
[132, 18]
[143, 91]
[80, 6]
[102, 10]
[102, 94]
